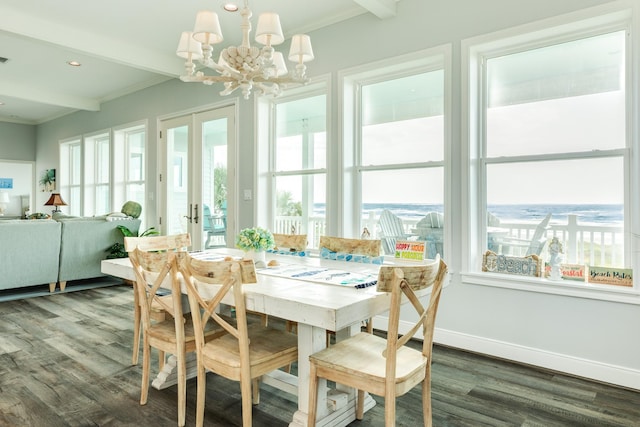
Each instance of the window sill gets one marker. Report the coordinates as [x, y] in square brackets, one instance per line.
[568, 288]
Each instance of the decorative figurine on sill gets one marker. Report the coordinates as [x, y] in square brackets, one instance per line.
[555, 259]
[365, 234]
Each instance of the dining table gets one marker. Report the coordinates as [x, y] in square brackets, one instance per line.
[318, 294]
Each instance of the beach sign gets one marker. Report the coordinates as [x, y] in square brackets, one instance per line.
[410, 250]
[611, 276]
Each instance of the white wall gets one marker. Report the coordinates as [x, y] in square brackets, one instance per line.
[583, 336]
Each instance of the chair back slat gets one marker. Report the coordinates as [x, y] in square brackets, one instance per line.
[295, 242]
[158, 243]
[418, 276]
[351, 246]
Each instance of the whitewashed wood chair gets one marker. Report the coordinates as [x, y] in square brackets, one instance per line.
[386, 367]
[248, 351]
[178, 242]
[368, 247]
[154, 267]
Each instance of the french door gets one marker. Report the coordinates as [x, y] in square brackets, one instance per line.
[197, 176]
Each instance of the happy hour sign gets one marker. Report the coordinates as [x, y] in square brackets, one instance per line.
[406, 249]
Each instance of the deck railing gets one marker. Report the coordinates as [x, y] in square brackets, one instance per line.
[582, 243]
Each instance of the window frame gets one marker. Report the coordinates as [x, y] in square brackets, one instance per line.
[352, 81]
[117, 166]
[266, 150]
[561, 29]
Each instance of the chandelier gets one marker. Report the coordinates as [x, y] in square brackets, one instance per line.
[244, 67]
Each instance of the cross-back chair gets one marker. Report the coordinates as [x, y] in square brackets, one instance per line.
[247, 351]
[367, 247]
[386, 367]
[157, 313]
[157, 266]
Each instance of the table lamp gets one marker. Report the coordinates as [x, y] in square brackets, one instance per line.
[4, 201]
[55, 200]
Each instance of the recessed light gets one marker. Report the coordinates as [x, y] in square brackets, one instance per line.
[1, 103]
[230, 7]
[74, 63]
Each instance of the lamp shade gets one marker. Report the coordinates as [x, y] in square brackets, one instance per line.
[55, 200]
[300, 50]
[207, 29]
[4, 197]
[189, 45]
[269, 31]
[278, 61]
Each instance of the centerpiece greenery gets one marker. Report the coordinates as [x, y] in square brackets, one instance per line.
[255, 239]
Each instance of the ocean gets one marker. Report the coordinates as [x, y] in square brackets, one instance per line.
[598, 214]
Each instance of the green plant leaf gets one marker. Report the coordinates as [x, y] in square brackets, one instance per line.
[125, 231]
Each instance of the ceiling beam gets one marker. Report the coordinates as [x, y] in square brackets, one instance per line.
[383, 9]
[88, 43]
[44, 95]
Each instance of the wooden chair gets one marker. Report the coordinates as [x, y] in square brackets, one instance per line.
[385, 367]
[158, 314]
[352, 246]
[153, 268]
[248, 351]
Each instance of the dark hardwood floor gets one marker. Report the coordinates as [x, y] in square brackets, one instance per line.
[65, 361]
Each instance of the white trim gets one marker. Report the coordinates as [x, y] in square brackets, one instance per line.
[566, 288]
[590, 369]
[585, 368]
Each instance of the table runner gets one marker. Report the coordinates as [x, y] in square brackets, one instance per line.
[324, 275]
[306, 273]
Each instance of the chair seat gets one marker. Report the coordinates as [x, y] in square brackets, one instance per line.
[362, 355]
[166, 332]
[263, 344]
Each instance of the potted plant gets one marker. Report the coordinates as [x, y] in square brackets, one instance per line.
[255, 241]
[117, 249]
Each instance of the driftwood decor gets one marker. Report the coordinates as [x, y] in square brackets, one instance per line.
[530, 265]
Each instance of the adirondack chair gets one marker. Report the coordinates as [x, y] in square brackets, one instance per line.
[391, 229]
[430, 228]
[533, 246]
[215, 226]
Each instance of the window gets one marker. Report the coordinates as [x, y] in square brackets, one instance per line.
[97, 162]
[129, 171]
[70, 174]
[399, 145]
[299, 162]
[553, 139]
[98, 176]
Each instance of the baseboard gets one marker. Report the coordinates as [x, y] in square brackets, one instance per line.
[593, 370]
[43, 290]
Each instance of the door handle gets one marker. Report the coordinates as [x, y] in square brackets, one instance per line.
[190, 212]
[196, 217]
